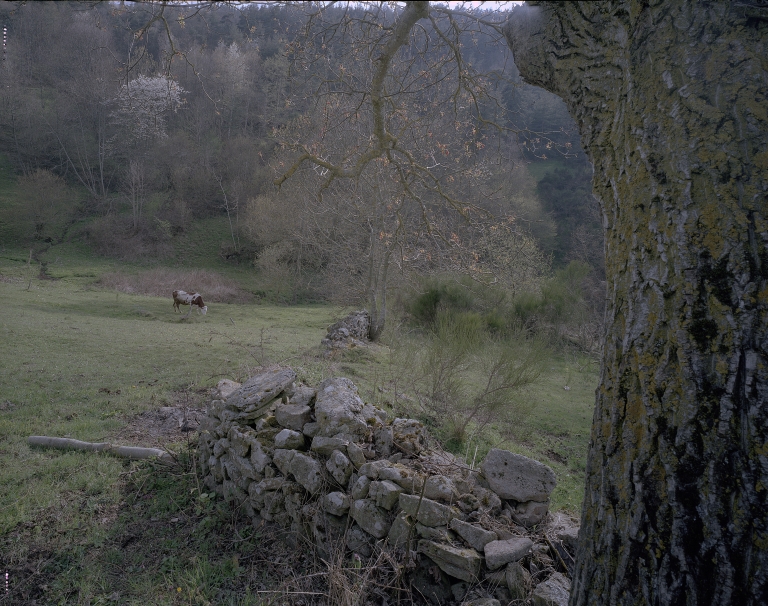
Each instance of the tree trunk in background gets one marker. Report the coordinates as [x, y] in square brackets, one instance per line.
[670, 98]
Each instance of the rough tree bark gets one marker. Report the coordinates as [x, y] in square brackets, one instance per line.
[670, 98]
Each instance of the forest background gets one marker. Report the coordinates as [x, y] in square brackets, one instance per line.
[118, 147]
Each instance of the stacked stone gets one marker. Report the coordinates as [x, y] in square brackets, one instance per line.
[351, 331]
[329, 466]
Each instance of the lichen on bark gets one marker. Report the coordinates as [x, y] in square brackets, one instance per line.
[670, 99]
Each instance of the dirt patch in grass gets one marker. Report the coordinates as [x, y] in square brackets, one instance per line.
[28, 578]
[166, 424]
[556, 456]
[161, 282]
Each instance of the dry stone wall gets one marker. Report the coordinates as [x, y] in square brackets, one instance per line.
[351, 331]
[326, 465]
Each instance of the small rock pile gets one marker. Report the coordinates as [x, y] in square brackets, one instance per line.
[326, 465]
[351, 331]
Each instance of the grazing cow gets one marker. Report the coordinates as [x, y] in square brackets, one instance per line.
[183, 298]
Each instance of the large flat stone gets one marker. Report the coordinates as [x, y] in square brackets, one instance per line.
[477, 537]
[457, 562]
[513, 476]
[427, 511]
[255, 396]
[498, 553]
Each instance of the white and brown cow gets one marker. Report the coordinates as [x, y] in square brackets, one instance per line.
[184, 298]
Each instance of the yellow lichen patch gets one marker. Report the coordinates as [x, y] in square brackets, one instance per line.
[761, 161]
[721, 366]
[756, 107]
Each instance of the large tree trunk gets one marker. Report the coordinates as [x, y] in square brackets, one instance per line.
[670, 98]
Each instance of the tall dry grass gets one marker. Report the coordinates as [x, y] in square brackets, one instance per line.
[161, 282]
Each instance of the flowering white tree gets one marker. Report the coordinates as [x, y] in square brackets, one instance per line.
[143, 104]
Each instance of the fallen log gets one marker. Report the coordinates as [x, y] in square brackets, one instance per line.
[127, 452]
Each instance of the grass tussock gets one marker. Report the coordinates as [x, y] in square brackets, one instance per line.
[161, 282]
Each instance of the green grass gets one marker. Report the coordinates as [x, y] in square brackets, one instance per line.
[558, 428]
[81, 361]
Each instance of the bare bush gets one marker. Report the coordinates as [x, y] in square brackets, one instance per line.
[160, 282]
[464, 380]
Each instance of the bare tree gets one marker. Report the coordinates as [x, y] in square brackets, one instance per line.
[399, 133]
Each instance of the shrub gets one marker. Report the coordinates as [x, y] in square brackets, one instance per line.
[440, 295]
[563, 311]
[465, 379]
[496, 322]
[526, 308]
[562, 295]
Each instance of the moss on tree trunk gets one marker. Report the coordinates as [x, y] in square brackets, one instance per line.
[670, 98]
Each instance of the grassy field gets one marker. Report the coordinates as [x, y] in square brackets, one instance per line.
[85, 361]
